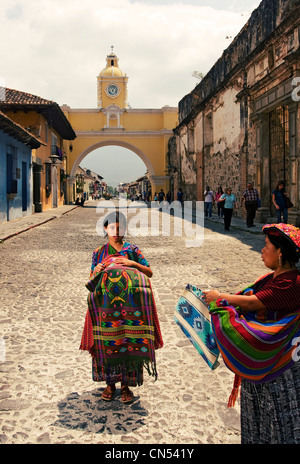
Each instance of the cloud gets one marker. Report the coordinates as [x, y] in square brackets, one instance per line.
[56, 49]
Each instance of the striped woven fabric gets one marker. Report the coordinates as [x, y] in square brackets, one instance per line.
[254, 350]
[122, 315]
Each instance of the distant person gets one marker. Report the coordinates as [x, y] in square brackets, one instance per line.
[250, 198]
[229, 202]
[208, 202]
[168, 197]
[279, 201]
[161, 196]
[180, 196]
[221, 204]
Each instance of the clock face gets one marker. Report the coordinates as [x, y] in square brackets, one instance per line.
[112, 90]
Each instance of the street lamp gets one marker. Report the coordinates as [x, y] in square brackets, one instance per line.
[56, 155]
[55, 159]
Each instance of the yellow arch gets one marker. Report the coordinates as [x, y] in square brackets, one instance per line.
[146, 132]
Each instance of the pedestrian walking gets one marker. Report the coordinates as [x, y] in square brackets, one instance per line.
[121, 328]
[217, 198]
[229, 202]
[250, 198]
[161, 196]
[208, 202]
[256, 339]
[279, 201]
[180, 196]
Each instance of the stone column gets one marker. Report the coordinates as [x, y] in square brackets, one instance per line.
[294, 165]
[70, 194]
[263, 160]
[199, 176]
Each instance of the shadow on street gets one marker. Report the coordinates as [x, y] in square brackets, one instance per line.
[90, 413]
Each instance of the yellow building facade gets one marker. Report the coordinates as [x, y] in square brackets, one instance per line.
[46, 121]
[145, 132]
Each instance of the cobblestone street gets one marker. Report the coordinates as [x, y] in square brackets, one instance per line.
[47, 394]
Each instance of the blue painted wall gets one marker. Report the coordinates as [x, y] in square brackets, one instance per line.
[12, 209]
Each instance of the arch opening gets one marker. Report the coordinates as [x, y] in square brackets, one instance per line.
[113, 143]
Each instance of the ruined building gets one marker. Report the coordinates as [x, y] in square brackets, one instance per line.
[242, 121]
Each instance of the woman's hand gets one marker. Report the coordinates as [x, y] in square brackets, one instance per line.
[100, 267]
[244, 302]
[128, 262]
[124, 261]
[210, 296]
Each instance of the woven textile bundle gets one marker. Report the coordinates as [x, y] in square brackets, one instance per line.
[123, 319]
[255, 350]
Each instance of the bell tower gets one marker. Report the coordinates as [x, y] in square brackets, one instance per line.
[112, 84]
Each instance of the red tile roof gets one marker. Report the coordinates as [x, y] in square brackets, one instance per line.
[22, 98]
[19, 101]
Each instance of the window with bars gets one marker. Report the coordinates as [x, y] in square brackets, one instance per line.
[279, 146]
[279, 143]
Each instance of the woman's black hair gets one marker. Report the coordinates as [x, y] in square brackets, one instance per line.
[114, 217]
[281, 182]
[287, 248]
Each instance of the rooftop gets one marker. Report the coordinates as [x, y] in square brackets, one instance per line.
[15, 100]
[18, 132]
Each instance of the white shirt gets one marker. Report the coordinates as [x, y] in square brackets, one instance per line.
[208, 196]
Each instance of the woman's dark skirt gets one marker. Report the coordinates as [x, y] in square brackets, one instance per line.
[270, 412]
[131, 378]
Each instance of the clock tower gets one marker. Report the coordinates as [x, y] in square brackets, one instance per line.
[112, 85]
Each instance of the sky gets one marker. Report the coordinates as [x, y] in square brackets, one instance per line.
[56, 48]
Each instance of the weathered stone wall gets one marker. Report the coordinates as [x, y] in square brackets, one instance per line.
[224, 128]
[262, 23]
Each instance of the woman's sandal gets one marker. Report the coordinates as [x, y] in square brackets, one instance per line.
[126, 394]
[108, 393]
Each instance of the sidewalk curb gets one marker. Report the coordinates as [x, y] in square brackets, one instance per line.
[35, 225]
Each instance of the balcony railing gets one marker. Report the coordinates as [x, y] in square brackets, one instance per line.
[55, 150]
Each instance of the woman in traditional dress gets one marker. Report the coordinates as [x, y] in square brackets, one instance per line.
[270, 410]
[121, 328]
